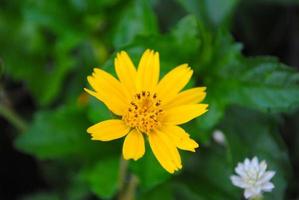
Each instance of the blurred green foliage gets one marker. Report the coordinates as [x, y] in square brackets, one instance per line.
[52, 46]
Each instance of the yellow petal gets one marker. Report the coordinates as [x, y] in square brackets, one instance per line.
[148, 71]
[108, 130]
[183, 114]
[181, 139]
[133, 147]
[165, 151]
[109, 91]
[191, 96]
[173, 82]
[126, 71]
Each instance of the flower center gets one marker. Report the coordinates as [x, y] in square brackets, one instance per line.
[144, 112]
[252, 176]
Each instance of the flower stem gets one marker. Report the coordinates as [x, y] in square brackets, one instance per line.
[129, 193]
[7, 112]
[257, 198]
[13, 117]
[126, 191]
[123, 167]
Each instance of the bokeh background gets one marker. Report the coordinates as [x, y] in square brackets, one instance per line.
[245, 52]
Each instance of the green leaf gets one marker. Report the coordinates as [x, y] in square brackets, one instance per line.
[181, 42]
[46, 43]
[203, 125]
[186, 39]
[97, 111]
[77, 189]
[163, 191]
[57, 133]
[233, 79]
[220, 11]
[136, 20]
[217, 52]
[194, 7]
[207, 176]
[274, 85]
[103, 177]
[214, 12]
[183, 191]
[149, 171]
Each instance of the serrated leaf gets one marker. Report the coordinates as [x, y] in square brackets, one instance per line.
[216, 52]
[260, 83]
[149, 171]
[181, 42]
[207, 176]
[219, 11]
[214, 12]
[103, 177]
[55, 134]
[136, 20]
[203, 126]
[44, 40]
[263, 84]
[186, 40]
[163, 191]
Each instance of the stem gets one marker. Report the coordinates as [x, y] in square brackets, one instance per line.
[13, 118]
[123, 167]
[260, 197]
[8, 113]
[126, 191]
[131, 189]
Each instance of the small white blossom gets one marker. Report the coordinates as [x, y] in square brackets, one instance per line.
[219, 137]
[253, 178]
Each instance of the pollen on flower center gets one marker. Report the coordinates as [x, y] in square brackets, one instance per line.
[144, 112]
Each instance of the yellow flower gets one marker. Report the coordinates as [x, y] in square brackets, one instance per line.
[147, 107]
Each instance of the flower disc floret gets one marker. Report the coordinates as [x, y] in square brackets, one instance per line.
[144, 112]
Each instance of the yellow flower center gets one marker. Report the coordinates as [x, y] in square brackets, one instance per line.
[144, 112]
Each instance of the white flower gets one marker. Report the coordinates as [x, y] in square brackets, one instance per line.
[253, 177]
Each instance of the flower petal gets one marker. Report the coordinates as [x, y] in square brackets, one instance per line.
[126, 71]
[240, 170]
[191, 96]
[108, 130]
[173, 82]
[180, 138]
[247, 164]
[262, 168]
[165, 151]
[183, 114]
[133, 147]
[268, 187]
[108, 90]
[249, 193]
[267, 176]
[148, 71]
[255, 163]
[238, 181]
